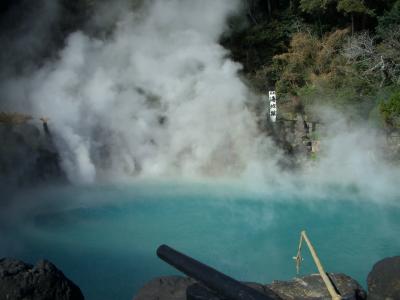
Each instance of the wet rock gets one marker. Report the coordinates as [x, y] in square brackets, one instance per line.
[312, 287]
[384, 280]
[44, 281]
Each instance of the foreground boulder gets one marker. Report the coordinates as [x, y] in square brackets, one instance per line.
[308, 287]
[384, 280]
[199, 292]
[165, 288]
[174, 288]
[44, 281]
[312, 287]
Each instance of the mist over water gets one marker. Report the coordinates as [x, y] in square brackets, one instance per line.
[104, 237]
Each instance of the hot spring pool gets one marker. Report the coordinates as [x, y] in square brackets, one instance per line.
[104, 237]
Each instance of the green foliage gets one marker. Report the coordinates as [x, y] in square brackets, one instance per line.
[14, 118]
[346, 6]
[389, 19]
[313, 156]
[310, 61]
[303, 48]
[390, 111]
[378, 64]
[311, 6]
[254, 46]
[353, 6]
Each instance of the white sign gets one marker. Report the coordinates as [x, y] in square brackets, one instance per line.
[272, 95]
[272, 106]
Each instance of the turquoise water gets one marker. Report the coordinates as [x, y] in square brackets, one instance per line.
[104, 237]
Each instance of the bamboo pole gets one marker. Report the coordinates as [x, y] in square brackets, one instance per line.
[325, 278]
[298, 257]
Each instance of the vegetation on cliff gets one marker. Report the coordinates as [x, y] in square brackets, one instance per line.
[345, 53]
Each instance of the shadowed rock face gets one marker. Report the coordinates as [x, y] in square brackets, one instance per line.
[384, 280]
[27, 156]
[44, 281]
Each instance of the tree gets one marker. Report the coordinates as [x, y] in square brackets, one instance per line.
[375, 62]
[311, 6]
[347, 7]
[390, 111]
[361, 53]
[389, 51]
[294, 66]
[353, 7]
[317, 8]
[310, 60]
[389, 19]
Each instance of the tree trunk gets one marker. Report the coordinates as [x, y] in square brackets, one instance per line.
[352, 23]
[269, 8]
[364, 21]
[319, 25]
[250, 11]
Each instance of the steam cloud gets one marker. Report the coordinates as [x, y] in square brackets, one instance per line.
[159, 97]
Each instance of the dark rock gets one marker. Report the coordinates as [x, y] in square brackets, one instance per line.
[27, 156]
[295, 136]
[165, 288]
[384, 280]
[199, 292]
[312, 287]
[44, 281]
[182, 288]
[308, 287]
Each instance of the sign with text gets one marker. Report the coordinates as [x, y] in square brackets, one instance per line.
[272, 106]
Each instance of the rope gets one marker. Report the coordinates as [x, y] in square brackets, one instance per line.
[324, 276]
[298, 257]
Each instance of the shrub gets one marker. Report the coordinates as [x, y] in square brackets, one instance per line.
[390, 111]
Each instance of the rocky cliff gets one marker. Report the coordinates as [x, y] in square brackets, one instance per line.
[27, 154]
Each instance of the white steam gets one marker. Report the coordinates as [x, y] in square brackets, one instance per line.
[159, 97]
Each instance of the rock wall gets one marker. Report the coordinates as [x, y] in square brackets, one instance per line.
[393, 145]
[296, 136]
[27, 155]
